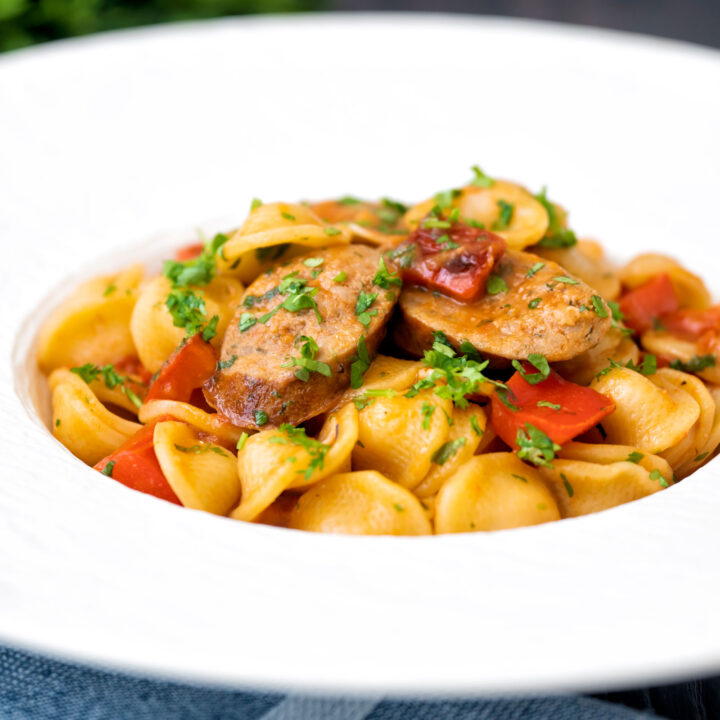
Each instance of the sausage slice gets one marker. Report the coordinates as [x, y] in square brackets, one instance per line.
[257, 384]
[549, 312]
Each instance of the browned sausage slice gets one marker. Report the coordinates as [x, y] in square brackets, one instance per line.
[252, 384]
[549, 312]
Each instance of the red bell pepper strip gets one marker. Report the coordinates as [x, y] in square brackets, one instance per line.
[561, 409]
[135, 465]
[454, 259]
[645, 304]
[692, 324]
[194, 362]
[189, 252]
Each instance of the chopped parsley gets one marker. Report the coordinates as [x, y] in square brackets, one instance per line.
[332, 231]
[453, 377]
[447, 450]
[540, 363]
[634, 457]
[556, 236]
[568, 486]
[200, 449]
[288, 216]
[364, 301]
[481, 179]
[535, 446]
[534, 303]
[475, 425]
[255, 204]
[109, 290]
[427, 410]
[360, 364]
[700, 457]
[504, 397]
[697, 363]
[552, 406]
[112, 379]
[306, 362]
[108, 469]
[241, 441]
[519, 477]
[402, 255]
[657, 476]
[384, 278]
[247, 320]
[599, 306]
[446, 198]
[567, 280]
[340, 277]
[210, 330]
[398, 507]
[506, 214]
[495, 285]
[261, 418]
[313, 262]
[225, 364]
[535, 268]
[349, 200]
[314, 448]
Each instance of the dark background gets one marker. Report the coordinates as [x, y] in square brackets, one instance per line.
[25, 22]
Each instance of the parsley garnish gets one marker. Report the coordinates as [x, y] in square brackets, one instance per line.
[534, 303]
[224, 364]
[306, 362]
[475, 425]
[556, 236]
[110, 377]
[247, 320]
[599, 306]
[210, 330]
[535, 446]
[700, 457]
[109, 289]
[255, 204]
[364, 301]
[568, 486]
[567, 280]
[427, 410]
[349, 200]
[634, 457]
[288, 216]
[261, 418]
[384, 278]
[200, 449]
[535, 268]
[657, 476]
[314, 448]
[313, 262]
[332, 231]
[108, 469]
[340, 277]
[495, 285]
[506, 214]
[402, 255]
[447, 450]
[540, 363]
[241, 441]
[481, 179]
[360, 364]
[696, 363]
[552, 406]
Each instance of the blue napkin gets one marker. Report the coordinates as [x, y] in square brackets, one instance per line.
[33, 687]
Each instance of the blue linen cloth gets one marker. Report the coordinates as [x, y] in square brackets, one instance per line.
[33, 687]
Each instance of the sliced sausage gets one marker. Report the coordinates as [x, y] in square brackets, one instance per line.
[510, 324]
[252, 388]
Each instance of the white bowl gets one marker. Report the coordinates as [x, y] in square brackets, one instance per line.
[103, 141]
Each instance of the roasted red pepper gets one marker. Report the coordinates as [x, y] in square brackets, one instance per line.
[644, 305]
[135, 465]
[450, 257]
[189, 252]
[194, 362]
[561, 409]
[692, 324]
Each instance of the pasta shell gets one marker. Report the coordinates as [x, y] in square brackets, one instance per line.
[398, 436]
[494, 491]
[267, 233]
[386, 373]
[646, 415]
[210, 423]
[153, 331]
[82, 423]
[203, 475]
[584, 261]
[93, 324]
[662, 343]
[360, 503]
[581, 488]
[269, 463]
[465, 439]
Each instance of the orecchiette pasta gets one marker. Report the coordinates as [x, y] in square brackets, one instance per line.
[351, 366]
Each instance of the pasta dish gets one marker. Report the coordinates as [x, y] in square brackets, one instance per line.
[463, 364]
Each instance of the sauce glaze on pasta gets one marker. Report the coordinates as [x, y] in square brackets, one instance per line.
[464, 364]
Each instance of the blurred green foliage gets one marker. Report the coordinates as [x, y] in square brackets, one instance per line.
[25, 22]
